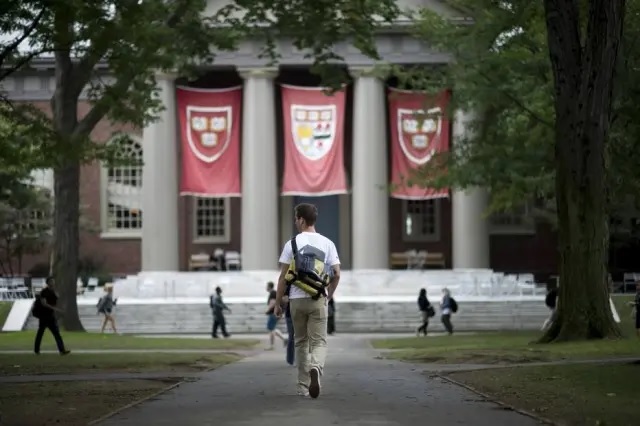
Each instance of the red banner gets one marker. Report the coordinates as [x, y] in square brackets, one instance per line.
[313, 142]
[210, 139]
[419, 129]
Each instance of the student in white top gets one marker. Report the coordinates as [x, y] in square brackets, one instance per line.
[309, 316]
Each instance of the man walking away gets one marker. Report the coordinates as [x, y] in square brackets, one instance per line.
[305, 262]
[217, 309]
[272, 319]
[44, 309]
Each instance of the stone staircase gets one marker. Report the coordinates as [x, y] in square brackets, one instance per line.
[351, 317]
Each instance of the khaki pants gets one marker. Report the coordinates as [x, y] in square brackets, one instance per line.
[310, 329]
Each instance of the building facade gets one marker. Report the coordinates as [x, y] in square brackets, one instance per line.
[142, 223]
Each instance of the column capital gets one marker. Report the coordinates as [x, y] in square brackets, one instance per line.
[268, 73]
[166, 75]
[378, 71]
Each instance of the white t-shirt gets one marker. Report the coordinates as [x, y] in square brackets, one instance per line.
[312, 239]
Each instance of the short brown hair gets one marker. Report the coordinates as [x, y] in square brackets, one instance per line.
[308, 212]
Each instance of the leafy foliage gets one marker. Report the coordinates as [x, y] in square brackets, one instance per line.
[25, 225]
[114, 51]
[501, 70]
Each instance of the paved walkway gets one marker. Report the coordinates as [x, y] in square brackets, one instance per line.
[358, 389]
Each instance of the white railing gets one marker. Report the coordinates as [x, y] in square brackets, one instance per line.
[13, 289]
[379, 283]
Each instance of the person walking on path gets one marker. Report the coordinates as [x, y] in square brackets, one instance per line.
[426, 312]
[291, 348]
[217, 309]
[306, 259]
[448, 307]
[44, 309]
[272, 319]
[331, 320]
[105, 307]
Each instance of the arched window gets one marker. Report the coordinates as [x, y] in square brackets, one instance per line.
[122, 191]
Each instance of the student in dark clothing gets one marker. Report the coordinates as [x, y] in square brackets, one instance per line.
[45, 310]
[331, 317]
[426, 311]
[551, 300]
[291, 347]
[217, 309]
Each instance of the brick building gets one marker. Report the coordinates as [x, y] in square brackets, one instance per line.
[367, 225]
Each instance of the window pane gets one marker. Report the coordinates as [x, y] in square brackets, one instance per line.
[210, 218]
[124, 189]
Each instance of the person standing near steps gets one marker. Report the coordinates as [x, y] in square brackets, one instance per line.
[305, 262]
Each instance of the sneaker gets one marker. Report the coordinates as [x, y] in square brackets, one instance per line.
[65, 352]
[304, 393]
[314, 386]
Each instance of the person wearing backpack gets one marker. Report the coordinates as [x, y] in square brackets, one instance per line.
[105, 307]
[218, 307]
[448, 306]
[306, 261]
[44, 309]
[426, 311]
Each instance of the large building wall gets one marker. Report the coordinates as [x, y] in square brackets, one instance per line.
[530, 252]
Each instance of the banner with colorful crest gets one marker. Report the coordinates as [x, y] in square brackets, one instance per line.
[313, 142]
[209, 122]
[419, 130]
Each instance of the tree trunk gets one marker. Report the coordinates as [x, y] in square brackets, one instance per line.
[67, 241]
[583, 97]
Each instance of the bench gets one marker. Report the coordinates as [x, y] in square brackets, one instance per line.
[416, 260]
[435, 259]
[199, 262]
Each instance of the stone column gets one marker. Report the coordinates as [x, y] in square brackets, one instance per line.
[160, 243]
[260, 223]
[370, 205]
[470, 230]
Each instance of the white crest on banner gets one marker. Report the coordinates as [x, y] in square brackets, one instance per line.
[419, 133]
[314, 129]
[209, 131]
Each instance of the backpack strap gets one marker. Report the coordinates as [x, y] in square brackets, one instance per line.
[294, 249]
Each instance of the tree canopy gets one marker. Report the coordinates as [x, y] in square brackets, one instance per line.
[112, 51]
[502, 71]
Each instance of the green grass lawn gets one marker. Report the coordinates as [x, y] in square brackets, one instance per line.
[13, 364]
[569, 394]
[24, 341]
[71, 403]
[510, 347]
[5, 308]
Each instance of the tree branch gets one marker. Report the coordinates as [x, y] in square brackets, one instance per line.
[99, 110]
[7, 51]
[6, 72]
[518, 102]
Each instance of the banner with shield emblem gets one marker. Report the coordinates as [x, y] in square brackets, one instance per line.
[313, 142]
[419, 130]
[210, 140]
